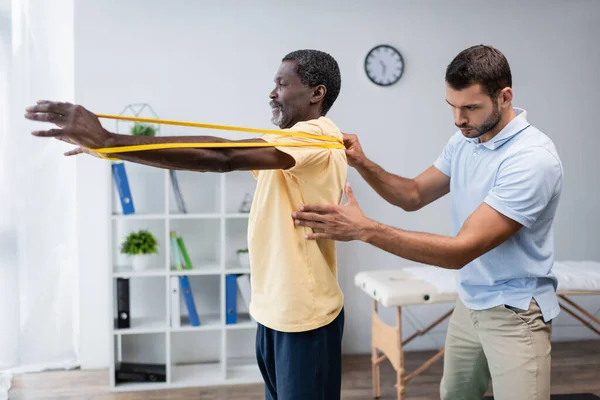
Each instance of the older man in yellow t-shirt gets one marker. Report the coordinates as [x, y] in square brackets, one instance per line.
[296, 299]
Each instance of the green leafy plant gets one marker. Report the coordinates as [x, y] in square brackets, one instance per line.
[141, 242]
[140, 129]
[240, 251]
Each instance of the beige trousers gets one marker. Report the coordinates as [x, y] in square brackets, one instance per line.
[508, 345]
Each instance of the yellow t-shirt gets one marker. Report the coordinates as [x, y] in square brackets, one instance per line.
[294, 280]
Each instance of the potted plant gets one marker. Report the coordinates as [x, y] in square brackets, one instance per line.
[243, 257]
[140, 247]
[140, 129]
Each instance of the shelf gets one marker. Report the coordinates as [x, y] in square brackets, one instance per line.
[195, 216]
[139, 386]
[208, 322]
[179, 216]
[237, 215]
[243, 370]
[208, 374]
[203, 269]
[143, 325]
[243, 322]
[212, 229]
[125, 271]
[121, 217]
[237, 270]
[205, 374]
[200, 193]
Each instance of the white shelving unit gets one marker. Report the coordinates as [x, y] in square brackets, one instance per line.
[213, 353]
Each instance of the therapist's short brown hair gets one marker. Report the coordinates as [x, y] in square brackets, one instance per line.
[484, 65]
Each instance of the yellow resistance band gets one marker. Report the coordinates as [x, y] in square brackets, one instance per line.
[332, 143]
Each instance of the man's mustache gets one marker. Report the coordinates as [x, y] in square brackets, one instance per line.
[464, 126]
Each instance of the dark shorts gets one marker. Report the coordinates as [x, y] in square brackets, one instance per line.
[302, 365]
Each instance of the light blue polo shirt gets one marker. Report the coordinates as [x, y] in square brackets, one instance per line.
[519, 174]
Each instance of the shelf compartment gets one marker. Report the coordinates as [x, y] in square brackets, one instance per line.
[147, 305]
[205, 290]
[200, 374]
[122, 263]
[243, 371]
[144, 183]
[201, 239]
[200, 192]
[236, 232]
[195, 358]
[241, 361]
[144, 349]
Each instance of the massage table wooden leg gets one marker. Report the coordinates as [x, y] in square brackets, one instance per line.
[400, 372]
[374, 357]
[388, 340]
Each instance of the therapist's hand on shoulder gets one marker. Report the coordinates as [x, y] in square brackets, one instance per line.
[344, 223]
[354, 151]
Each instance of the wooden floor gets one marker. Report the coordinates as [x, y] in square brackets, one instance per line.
[575, 369]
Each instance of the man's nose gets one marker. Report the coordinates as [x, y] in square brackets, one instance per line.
[459, 118]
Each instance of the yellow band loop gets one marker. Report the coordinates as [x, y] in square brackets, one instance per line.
[160, 146]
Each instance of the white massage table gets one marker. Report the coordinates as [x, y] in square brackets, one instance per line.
[419, 285]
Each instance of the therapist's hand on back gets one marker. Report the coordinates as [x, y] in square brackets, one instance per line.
[354, 152]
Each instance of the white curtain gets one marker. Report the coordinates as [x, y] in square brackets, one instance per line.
[38, 238]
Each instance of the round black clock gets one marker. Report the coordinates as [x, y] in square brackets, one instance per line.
[384, 65]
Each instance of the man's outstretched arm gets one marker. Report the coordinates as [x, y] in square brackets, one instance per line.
[81, 127]
[201, 159]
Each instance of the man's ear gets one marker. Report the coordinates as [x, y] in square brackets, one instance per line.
[505, 97]
[318, 94]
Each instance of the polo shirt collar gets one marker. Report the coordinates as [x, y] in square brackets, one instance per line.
[514, 127]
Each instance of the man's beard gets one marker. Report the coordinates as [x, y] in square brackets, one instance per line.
[487, 125]
[278, 120]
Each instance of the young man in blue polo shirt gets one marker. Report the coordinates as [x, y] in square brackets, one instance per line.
[505, 179]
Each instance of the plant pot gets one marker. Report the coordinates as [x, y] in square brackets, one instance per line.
[244, 259]
[141, 262]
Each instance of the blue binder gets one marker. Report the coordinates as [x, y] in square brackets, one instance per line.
[231, 299]
[186, 292]
[120, 176]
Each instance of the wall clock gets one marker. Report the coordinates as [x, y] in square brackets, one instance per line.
[384, 65]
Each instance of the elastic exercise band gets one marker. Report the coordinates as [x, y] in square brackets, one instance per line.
[333, 143]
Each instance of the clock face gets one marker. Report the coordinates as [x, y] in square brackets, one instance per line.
[384, 65]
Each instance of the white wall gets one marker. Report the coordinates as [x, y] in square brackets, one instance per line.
[195, 61]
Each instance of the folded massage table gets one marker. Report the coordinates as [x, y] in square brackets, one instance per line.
[421, 285]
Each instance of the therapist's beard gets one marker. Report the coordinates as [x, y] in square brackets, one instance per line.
[490, 123]
[487, 125]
